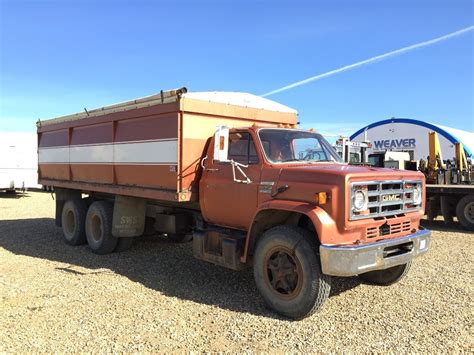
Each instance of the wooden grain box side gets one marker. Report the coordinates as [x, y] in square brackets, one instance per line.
[129, 151]
[152, 152]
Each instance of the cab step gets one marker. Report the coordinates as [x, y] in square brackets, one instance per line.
[220, 246]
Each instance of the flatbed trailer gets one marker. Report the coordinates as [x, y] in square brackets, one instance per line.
[451, 201]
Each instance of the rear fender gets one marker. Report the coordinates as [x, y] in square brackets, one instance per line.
[324, 225]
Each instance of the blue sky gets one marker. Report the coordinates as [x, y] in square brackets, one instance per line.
[57, 57]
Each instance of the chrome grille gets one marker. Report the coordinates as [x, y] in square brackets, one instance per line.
[385, 198]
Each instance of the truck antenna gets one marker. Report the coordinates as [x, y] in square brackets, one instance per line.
[86, 111]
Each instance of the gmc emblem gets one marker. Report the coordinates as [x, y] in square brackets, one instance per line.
[392, 197]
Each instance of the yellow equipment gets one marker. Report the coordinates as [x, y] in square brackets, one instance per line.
[435, 163]
[461, 159]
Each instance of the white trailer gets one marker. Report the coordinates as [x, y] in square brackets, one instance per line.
[18, 161]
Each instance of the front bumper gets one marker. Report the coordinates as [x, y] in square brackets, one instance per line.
[355, 260]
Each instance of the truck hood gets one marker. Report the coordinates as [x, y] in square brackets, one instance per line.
[304, 181]
[336, 173]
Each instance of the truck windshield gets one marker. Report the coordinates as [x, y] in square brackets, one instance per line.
[286, 145]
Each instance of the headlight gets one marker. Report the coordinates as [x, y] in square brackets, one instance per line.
[359, 200]
[417, 195]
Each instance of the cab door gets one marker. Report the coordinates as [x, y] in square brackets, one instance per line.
[225, 202]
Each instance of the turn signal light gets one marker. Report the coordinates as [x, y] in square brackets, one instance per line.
[321, 198]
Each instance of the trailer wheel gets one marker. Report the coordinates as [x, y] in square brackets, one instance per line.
[448, 209]
[465, 212]
[73, 219]
[388, 276]
[99, 227]
[288, 272]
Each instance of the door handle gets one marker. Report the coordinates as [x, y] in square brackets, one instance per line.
[212, 169]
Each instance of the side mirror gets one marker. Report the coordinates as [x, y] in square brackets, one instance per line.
[221, 143]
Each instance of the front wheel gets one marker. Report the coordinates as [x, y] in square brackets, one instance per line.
[388, 276]
[288, 273]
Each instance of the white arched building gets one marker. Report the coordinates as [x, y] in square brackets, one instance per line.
[408, 135]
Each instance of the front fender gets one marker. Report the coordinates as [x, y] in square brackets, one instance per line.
[323, 223]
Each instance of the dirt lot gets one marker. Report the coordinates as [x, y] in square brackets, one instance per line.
[56, 297]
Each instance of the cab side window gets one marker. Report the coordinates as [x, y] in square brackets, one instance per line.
[242, 148]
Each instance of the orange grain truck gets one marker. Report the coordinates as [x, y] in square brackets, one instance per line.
[232, 171]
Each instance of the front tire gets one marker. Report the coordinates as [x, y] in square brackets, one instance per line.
[288, 272]
[388, 276]
[99, 228]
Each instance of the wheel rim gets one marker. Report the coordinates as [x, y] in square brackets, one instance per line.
[70, 223]
[283, 273]
[96, 228]
[469, 212]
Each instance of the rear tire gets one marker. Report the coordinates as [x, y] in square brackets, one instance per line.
[465, 212]
[287, 272]
[388, 276]
[73, 219]
[99, 228]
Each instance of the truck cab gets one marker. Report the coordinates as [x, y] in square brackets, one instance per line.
[347, 220]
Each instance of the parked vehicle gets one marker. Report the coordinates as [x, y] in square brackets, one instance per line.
[450, 189]
[230, 169]
[18, 161]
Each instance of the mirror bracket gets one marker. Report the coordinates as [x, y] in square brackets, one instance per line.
[239, 166]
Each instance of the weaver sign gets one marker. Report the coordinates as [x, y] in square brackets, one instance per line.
[395, 143]
[405, 134]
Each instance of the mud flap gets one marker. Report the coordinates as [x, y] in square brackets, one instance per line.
[129, 216]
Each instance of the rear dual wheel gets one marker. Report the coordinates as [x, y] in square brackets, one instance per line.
[73, 219]
[93, 225]
[99, 230]
[99, 227]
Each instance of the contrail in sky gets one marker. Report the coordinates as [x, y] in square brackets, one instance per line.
[371, 60]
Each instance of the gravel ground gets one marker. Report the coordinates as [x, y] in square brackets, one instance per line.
[156, 296]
